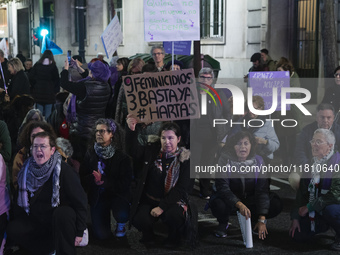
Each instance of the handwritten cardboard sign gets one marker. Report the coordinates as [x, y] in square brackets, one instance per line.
[263, 84]
[171, 20]
[162, 96]
[180, 48]
[112, 37]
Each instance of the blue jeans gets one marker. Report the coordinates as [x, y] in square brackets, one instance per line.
[330, 218]
[101, 218]
[46, 109]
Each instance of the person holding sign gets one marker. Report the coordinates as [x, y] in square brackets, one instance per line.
[162, 192]
[247, 192]
[158, 54]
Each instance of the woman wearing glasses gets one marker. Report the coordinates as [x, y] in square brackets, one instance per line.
[106, 174]
[317, 204]
[332, 94]
[51, 207]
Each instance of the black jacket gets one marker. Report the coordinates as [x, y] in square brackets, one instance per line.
[71, 194]
[91, 107]
[332, 96]
[177, 193]
[117, 178]
[19, 85]
[45, 83]
[248, 190]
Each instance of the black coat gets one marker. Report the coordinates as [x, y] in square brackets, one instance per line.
[332, 96]
[177, 193]
[71, 194]
[19, 85]
[249, 190]
[117, 178]
[91, 107]
[45, 83]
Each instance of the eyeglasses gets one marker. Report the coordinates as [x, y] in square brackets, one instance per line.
[205, 78]
[157, 53]
[42, 147]
[317, 142]
[337, 75]
[101, 131]
[239, 144]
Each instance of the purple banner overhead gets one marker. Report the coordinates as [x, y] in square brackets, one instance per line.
[180, 47]
[263, 84]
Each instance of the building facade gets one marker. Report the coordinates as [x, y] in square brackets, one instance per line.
[231, 31]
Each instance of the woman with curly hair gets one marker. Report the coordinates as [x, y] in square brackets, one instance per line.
[106, 173]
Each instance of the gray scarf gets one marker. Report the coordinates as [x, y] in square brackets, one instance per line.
[104, 152]
[31, 177]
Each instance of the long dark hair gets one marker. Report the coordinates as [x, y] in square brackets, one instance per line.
[125, 62]
[47, 54]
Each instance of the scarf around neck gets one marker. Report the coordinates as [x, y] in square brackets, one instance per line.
[172, 174]
[104, 152]
[32, 177]
[313, 186]
[238, 164]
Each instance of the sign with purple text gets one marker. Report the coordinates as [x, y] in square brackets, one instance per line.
[264, 84]
[171, 20]
[112, 37]
[180, 48]
[162, 96]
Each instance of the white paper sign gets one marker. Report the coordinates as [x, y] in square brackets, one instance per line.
[246, 230]
[112, 37]
[171, 20]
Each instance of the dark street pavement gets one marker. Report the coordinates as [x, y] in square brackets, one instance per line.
[278, 241]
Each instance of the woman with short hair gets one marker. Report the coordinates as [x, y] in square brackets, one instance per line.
[51, 207]
[317, 203]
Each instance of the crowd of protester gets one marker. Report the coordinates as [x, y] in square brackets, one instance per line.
[106, 158]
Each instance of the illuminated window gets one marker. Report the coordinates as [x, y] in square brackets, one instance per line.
[3, 23]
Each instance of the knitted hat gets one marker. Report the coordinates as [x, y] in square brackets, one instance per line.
[100, 71]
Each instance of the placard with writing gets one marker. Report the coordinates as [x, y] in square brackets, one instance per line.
[180, 47]
[171, 20]
[263, 84]
[162, 96]
[112, 37]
